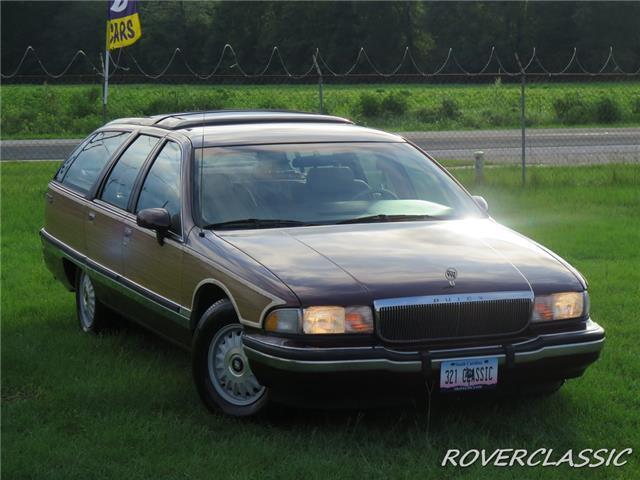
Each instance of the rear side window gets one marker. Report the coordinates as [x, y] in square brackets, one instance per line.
[161, 188]
[84, 165]
[117, 189]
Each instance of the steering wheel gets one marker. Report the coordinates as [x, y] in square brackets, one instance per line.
[376, 194]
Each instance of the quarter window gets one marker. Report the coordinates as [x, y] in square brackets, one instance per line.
[161, 188]
[119, 184]
[83, 167]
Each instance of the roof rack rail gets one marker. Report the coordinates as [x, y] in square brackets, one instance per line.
[143, 121]
[177, 121]
[238, 117]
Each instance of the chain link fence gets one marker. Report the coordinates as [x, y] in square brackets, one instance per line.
[515, 116]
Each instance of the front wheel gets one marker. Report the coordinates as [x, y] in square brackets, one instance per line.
[221, 370]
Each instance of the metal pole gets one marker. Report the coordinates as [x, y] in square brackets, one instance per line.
[479, 166]
[523, 127]
[320, 92]
[105, 89]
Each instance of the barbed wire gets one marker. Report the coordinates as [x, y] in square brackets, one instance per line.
[323, 68]
[32, 51]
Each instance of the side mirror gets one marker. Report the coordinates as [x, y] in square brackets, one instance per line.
[157, 219]
[482, 203]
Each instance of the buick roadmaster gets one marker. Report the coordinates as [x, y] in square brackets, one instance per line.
[297, 254]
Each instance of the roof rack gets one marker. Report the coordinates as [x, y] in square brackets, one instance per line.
[178, 121]
[236, 117]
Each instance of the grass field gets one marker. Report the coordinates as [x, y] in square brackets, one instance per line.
[122, 405]
[44, 111]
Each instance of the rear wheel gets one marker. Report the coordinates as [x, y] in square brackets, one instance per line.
[221, 370]
[93, 316]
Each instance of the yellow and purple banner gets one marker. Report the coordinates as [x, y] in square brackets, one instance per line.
[123, 24]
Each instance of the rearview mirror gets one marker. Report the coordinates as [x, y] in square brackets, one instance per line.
[482, 203]
[157, 219]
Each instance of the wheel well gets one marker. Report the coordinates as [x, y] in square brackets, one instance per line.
[206, 296]
[70, 272]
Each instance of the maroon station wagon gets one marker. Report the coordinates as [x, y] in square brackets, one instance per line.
[300, 258]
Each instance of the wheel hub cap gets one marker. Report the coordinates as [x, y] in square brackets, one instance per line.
[229, 370]
[237, 365]
[87, 302]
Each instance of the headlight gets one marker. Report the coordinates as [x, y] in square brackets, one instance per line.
[560, 306]
[320, 320]
[337, 320]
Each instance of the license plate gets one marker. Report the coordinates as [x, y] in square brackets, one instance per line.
[468, 373]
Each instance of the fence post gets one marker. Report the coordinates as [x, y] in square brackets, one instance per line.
[523, 127]
[105, 87]
[479, 166]
[320, 92]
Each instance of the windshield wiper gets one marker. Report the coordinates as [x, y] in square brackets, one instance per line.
[256, 223]
[380, 218]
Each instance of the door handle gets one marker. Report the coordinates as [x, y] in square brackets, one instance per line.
[49, 197]
[127, 236]
[92, 216]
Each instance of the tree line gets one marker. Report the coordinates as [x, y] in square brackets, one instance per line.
[201, 29]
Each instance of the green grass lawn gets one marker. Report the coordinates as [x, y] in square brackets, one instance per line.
[122, 405]
[45, 111]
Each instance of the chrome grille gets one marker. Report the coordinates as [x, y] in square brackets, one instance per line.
[458, 316]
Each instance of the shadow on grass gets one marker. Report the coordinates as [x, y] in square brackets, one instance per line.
[415, 411]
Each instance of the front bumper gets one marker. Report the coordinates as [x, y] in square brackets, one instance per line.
[546, 357]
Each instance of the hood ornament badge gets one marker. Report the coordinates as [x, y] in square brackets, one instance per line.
[451, 274]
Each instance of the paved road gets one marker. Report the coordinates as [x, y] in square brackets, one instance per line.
[542, 145]
[36, 149]
[567, 145]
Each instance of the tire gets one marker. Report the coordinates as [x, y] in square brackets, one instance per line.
[93, 315]
[221, 371]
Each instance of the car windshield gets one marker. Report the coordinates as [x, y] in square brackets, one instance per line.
[268, 186]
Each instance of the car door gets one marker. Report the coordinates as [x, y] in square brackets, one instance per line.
[66, 211]
[156, 267]
[108, 211]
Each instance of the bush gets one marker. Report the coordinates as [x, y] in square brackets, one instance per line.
[635, 105]
[394, 103]
[160, 104]
[17, 121]
[449, 109]
[369, 105]
[378, 104]
[84, 102]
[427, 115]
[85, 124]
[497, 118]
[572, 110]
[608, 110]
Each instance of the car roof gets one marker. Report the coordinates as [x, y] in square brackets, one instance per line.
[252, 127]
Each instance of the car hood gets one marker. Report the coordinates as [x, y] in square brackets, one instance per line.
[358, 263]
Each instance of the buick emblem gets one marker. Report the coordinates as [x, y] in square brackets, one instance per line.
[451, 274]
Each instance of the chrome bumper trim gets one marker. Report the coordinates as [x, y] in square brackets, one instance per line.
[331, 365]
[415, 366]
[553, 351]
